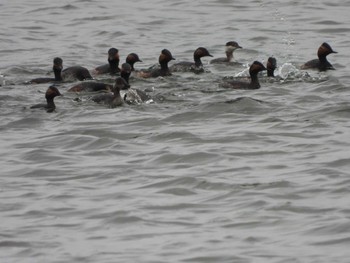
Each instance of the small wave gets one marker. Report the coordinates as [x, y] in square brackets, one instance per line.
[327, 22]
[171, 182]
[119, 219]
[177, 191]
[218, 258]
[93, 18]
[288, 207]
[53, 8]
[244, 100]
[14, 244]
[333, 241]
[334, 30]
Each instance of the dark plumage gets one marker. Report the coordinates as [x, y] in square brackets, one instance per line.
[113, 63]
[57, 69]
[254, 69]
[68, 74]
[113, 100]
[164, 58]
[76, 73]
[322, 64]
[88, 86]
[196, 65]
[125, 72]
[131, 59]
[50, 94]
[271, 65]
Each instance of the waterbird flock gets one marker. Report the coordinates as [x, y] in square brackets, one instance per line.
[112, 97]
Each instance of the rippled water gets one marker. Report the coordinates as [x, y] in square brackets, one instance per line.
[201, 175]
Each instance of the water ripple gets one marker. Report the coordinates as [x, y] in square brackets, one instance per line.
[202, 174]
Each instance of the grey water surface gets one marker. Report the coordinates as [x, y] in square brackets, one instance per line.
[202, 174]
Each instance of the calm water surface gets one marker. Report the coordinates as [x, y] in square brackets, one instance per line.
[200, 175]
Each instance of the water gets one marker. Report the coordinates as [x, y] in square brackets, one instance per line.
[201, 175]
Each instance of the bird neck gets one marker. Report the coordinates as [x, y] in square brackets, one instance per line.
[50, 104]
[198, 61]
[114, 65]
[57, 72]
[270, 72]
[229, 55]
[254, 82]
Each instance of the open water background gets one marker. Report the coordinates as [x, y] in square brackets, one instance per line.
[201, 175]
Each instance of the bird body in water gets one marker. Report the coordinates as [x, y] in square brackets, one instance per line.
[131, 59]
[164, 58]
[50, 94]
[271, 65]
[230, 47]
[113, 99]
[92, 86]
[67, 74]
[321, 63]
[254, 69]
[57, 69]
[113, 63]
[195, 66]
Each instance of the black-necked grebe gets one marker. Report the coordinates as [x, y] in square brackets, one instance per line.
[57, 69]
[92, 86]
[50, 94]
[132, 95]
[125, 71]
[113, 63]
[68, 74]
[131, 59]
[271, 65]
[195, 66]
[230, 47]
[89, 86]
[164, 58]
[322, 64]
[76, 73]
[254, 69]
[115, 99]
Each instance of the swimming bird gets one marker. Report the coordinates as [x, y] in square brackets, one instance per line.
[271, 65]
[76, 73]
[164, 58]
[115, 99]
[90, 86]
[57, 69]
[68, 74]
[131, 59]
[113, 63]
[254, 69]
[132, 95]
[125, 71]
[93, 86]
[322, 64]
[50, 94]
[230, 47]
[195, 66]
